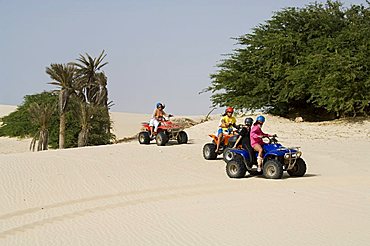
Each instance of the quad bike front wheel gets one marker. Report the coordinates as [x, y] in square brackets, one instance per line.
[144, 137]
[161, 139]
[228, 155]
[182, 137]
[273, 169]
[209, 151]
[299, 168]
[236, 168]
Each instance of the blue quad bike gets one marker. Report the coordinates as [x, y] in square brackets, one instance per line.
[276, 160]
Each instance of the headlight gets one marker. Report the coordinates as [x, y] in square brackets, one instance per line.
[287, 156]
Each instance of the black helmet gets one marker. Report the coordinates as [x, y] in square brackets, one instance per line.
[248, 121]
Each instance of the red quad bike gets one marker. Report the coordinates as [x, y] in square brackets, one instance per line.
[167, 130]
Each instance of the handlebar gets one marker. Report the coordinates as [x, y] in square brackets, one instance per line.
[271, 139]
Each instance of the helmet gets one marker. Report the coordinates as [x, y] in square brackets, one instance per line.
[248, 121]
[160, 105]
[260, 118]
[229, 109]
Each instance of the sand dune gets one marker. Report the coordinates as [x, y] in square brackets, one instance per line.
[131, 194]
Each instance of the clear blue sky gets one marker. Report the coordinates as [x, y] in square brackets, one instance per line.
[161, 50]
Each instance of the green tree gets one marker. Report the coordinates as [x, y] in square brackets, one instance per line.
[63, 76]
[311, 60]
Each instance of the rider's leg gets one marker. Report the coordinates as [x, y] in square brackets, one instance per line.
[151, 126]
[259, 149]
[220, 134]
[156, 124]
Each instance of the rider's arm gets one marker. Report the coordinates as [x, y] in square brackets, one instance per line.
[223, 124]
[264, 134]
[237, 141]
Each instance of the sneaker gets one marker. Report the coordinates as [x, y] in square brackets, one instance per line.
[259, 169]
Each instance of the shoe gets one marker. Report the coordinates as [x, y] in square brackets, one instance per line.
[259, 169]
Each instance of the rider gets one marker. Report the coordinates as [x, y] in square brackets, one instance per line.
[244, 134]
[256, 139]
[227, 122]
[157, 117]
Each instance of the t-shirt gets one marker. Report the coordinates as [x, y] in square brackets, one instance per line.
[245, 134]
[228, 120]
[256, 134]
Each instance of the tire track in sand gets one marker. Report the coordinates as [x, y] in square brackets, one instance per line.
[152, 196]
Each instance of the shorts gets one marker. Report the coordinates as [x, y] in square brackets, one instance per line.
[224, 131]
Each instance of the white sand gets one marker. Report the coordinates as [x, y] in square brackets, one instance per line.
[131, 194]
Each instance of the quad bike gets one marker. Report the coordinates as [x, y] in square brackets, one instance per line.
[276, 160]
[228, 141]
[167, 130]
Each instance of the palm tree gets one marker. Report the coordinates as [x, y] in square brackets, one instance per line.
[62, 76]
[88, 74]
[41, 115]
[100, 95]
[91, 91]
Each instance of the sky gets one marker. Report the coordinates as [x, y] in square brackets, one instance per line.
[157, 51]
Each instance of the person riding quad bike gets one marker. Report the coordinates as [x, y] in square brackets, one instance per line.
[256, 139]
[242, 140]
[227, 123]
[244, 134]
[161, 129]
[157, 117]
[224, 139]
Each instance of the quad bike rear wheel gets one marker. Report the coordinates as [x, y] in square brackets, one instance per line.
[273, 169]
[299, 168]
[161, 139]
[209, 151]
[182, 137]
[236, 168]
[144, 137]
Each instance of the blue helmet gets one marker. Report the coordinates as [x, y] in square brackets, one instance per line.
[260, 118]
[160, 105]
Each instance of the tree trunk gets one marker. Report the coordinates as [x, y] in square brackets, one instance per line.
[83, 137]
[62, 128]
[43, 140]
[46, 140]
[39, 144]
